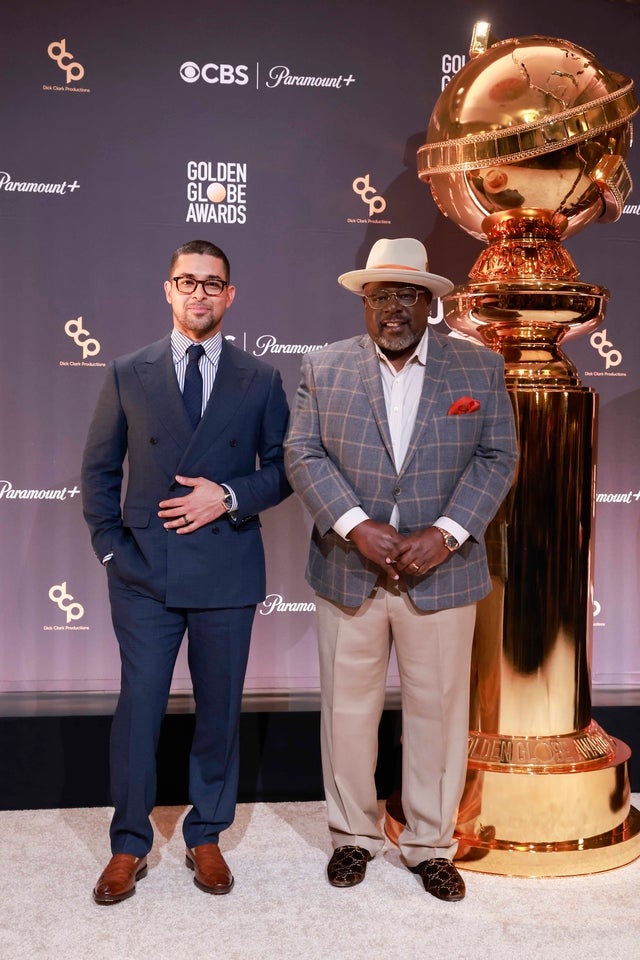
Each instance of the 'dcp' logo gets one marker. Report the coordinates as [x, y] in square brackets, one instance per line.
[604, 347]
[58, 52]
[224, 73]
[58, 594]
[367, 193]
[80, 336]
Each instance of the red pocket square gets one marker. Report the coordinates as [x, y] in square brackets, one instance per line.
[464, 405]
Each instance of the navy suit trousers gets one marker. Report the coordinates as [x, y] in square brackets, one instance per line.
[149, 636]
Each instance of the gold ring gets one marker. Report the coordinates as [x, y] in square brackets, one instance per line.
[185, 519]
[414, 564]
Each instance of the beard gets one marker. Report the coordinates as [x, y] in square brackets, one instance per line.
[398, 342]
[200, 323]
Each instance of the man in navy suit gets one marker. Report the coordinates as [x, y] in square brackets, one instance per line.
[402, 446]
[201, 424]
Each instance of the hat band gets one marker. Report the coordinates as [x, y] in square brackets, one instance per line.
[394, 266]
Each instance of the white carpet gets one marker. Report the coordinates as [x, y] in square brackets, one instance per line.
[282, 905]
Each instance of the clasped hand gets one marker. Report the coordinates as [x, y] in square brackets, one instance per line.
[414, 554]
[188, 513]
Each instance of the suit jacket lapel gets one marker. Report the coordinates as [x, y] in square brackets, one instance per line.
[158, 378]
[369, 366]
[434, 377]
[231, 383]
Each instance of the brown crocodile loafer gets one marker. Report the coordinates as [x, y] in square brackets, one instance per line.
[211, 872]
[118, 879]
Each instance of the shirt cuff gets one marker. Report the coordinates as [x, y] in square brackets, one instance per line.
[233, 509]
[348, 521]
[452, 527]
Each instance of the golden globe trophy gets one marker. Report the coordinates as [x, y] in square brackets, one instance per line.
[526, 146]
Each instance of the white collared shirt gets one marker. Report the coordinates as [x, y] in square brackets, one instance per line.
[208, 363]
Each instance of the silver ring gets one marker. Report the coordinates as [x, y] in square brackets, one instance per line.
[184, 517]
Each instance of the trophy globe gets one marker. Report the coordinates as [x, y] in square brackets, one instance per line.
[525, 147]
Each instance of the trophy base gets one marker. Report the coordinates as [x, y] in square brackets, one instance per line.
[605, 851]
[543, 819]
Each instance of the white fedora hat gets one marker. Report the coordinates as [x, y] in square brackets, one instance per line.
[396, 261]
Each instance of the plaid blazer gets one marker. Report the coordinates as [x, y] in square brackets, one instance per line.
[338, 455]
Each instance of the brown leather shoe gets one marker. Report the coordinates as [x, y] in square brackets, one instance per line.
[441, 879]
[211, 872]
[347, 866]
[118, 879]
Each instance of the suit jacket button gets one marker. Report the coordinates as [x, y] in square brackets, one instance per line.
[233, 443]
[215, 529]
[397, 491]
[153, 440]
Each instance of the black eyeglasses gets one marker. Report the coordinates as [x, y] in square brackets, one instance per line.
[406, 297]
[212, 288]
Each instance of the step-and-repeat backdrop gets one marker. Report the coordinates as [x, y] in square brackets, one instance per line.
[286, 132]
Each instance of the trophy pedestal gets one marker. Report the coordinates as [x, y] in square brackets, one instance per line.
[552, 820]
[547, 790]
[544, 812]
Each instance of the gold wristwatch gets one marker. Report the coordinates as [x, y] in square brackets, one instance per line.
[450, 541]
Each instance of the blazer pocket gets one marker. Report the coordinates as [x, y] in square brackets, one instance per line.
[249, 523]
[136, 516]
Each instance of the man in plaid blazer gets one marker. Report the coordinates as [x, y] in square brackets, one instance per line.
[402, 446]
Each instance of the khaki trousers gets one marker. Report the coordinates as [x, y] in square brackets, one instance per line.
[433, 650]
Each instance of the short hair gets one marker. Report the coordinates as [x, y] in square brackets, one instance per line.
[204, 248]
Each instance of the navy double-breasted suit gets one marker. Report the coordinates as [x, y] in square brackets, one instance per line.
[140, 414]
[161, 583]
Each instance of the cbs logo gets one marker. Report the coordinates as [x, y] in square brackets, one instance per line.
[223, 73]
